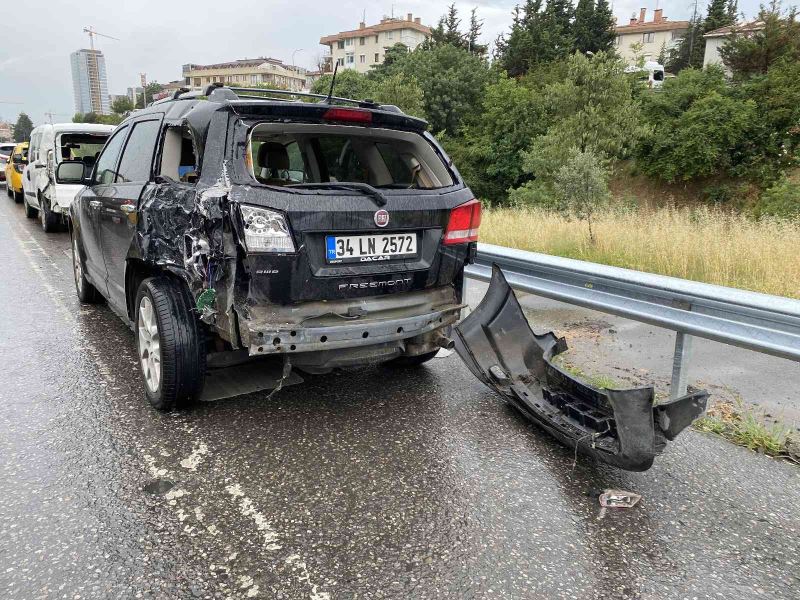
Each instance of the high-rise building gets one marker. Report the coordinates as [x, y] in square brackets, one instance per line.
[89, 82]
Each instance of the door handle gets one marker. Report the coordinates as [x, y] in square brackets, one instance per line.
[95, 204]
[127, 208]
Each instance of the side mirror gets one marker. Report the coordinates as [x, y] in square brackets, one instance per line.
[71, 171]
[17, 159]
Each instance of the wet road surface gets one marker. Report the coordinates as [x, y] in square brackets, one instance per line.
[373, 483]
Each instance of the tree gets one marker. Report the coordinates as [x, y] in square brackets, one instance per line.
[581, 187]
[23, 128]
[488, 153]
[452, 82]
[751, 52]
[701, 129]
[122, 105]
[583, 28]
[591, 110]
[446, 32]
[604, 27]
[151, 90]
[391, 56]
[402, 91]
[349, 84]
[474, 33]
[538, 35]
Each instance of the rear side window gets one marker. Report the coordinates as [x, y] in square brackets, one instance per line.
[282, 155]
[107, 162]
[137, 158]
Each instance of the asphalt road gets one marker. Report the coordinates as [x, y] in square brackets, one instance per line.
[371, 483]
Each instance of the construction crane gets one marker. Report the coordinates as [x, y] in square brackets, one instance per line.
[92, 33]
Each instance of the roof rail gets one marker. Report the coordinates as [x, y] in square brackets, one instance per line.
[219, 92]
[366, 103]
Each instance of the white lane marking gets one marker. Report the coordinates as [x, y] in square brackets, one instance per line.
[246, 505]
[195, 458]
[247, 509]
[297, 563]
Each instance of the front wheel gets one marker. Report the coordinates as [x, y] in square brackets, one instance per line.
[50, 220]
[170, 344]
[30, 212]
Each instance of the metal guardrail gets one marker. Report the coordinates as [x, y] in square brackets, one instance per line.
[759, 322]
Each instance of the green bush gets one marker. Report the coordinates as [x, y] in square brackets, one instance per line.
[782, 200]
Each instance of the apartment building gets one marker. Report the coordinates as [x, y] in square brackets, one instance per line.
[364, 47]
[653, 36]
[717, 38]
[248, 72]
[89, 82]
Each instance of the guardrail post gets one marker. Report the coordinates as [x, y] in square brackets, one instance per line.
[464, 311]
[680, 365]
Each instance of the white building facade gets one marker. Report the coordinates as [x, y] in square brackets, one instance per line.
[366, 46]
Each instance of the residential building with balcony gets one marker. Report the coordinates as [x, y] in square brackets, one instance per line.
[245, 73]
[366, 46]
[652, 35]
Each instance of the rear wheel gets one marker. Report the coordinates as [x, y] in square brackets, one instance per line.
[87, 293]
[9, 191]
[30, 212]
[50, 220]
[170, 344]
[412, 361]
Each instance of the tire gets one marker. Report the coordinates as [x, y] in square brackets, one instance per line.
[50, 220]
[164, 315]
[87, 293]
[30, 212]
[18, 196]
[9, 191]
[412, 361]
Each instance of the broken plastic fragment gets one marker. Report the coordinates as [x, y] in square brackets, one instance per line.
[618, 499]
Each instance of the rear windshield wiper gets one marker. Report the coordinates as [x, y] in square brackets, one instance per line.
[365, 188]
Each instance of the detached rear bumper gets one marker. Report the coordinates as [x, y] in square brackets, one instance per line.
[624, 428]
[354, 323]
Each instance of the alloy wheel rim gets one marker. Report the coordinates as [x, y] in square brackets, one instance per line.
[149, 344]
[76, 264]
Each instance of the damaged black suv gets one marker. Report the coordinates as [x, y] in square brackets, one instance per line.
[247, 223]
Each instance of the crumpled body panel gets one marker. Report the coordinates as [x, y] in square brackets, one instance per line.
[624, 428]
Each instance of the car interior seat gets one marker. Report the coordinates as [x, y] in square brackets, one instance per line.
[273, 160]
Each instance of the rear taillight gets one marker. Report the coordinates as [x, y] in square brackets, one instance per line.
[348, 115]
[463, 224]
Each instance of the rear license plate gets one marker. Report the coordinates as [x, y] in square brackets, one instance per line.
[370, 248]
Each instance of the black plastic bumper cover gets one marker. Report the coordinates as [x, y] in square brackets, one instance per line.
[624, 428]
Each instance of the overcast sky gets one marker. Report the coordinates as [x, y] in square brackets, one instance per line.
[157, 37]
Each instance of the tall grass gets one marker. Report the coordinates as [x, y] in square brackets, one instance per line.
[700, 244]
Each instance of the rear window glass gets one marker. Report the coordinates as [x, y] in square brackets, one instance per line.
[282, 155]
[81, 147]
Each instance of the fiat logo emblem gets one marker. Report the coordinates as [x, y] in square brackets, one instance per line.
[382, 218]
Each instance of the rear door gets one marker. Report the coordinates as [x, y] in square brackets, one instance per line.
[119, 210]
[90, 202]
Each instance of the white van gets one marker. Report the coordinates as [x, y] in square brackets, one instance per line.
[651, 73]
[50, 144]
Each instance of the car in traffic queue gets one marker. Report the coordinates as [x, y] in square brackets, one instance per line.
[14, 169]
[50, 144]
[6, 149]
[331, 233]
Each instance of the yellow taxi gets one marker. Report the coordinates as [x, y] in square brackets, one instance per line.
[16, 163]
